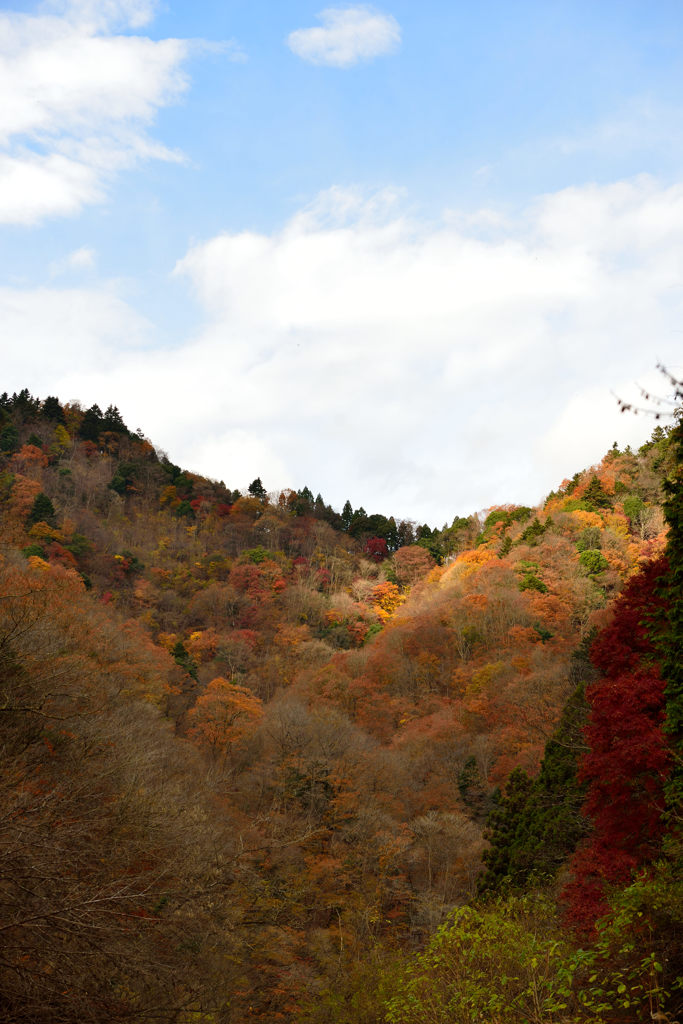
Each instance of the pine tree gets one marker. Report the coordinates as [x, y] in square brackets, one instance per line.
[42, 511]
[536, 824]
[347, 515]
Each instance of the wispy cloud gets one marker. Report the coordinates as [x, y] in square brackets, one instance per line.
[347, 35]
[640, 125]
[105, 14]
[83, 259]
[77, 102]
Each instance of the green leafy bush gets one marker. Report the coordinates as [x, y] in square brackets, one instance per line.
[593, 561]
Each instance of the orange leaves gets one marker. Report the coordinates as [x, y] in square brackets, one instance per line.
[470, 561]
[475, 601]
[585, 519]
[386, 598]
[522, 635]
[222, 716]
[411, 564]
[202, 645]
[29, 458]
[24, 493]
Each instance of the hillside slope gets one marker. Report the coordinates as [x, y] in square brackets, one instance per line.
[315, 709]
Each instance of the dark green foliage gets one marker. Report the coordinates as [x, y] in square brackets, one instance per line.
[573, 484]
[379, 526]
[303, 506]
[391, 535]
[23, 403]
[257, 490]
[520, 514]
[95, 423]
[358, 522]
[78, 545]
[505, 830]
[537, 823]
[596, 495]
[505, 547]
[545, 634]
[256, 555]
[185, 509]
[6, 484]
[460, 523]
[36, 441]
[123, 479]
[373, 629]
[672, 641]
[593, 561]
[531, 582]
[9, 439]
[657, 440]
[405, 532]
[473, 789]
[34, 549]
[129, 562]
[182, 657]
[506, 516]
[42, 511]
[182, 481]
[347, 515]
[112, 421]
[92, 424]
[432, 545]
[633, 505]
[52, 409]
[533, 533]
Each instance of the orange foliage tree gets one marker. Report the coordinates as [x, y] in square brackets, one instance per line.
[222, 716]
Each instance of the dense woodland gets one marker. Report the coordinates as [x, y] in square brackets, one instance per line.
[265, 760]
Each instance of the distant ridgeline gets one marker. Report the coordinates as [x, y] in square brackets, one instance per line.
[54, 429]
[352, 769]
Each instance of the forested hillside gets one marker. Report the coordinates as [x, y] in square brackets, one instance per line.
[268, 760]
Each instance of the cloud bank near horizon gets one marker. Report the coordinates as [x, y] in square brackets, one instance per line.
[424, 369]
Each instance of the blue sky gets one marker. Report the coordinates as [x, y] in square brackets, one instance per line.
[398, 253]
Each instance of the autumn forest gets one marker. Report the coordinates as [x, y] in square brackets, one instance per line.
[264, 759]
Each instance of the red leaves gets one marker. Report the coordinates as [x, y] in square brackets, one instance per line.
[628, 759]
[376, 549]
[627, 638]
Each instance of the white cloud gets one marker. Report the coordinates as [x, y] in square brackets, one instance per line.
[76, 103]
[347, 35]
[419, 368]
[50, 333]
[101, 14]
[81, 259]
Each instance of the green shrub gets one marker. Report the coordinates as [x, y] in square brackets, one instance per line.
[593, 561]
